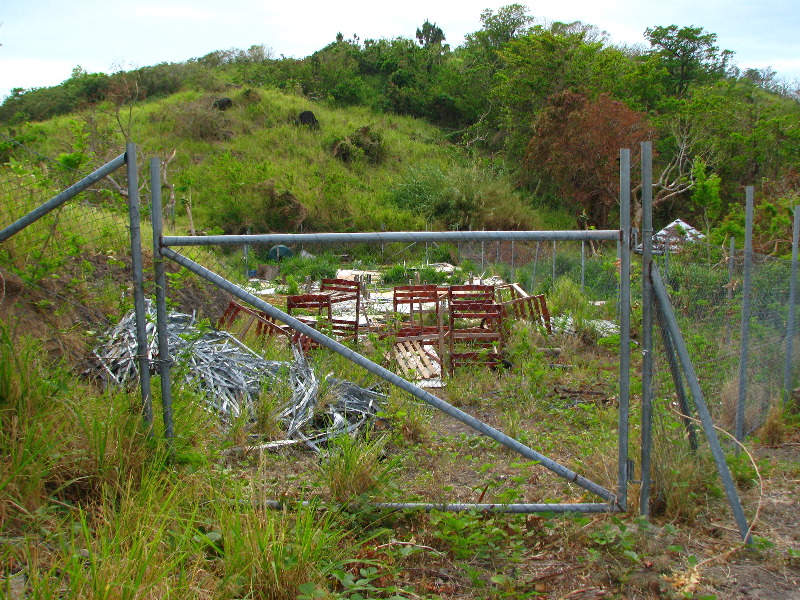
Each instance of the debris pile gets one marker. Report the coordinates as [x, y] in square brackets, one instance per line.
[313, 419]
[231, 377]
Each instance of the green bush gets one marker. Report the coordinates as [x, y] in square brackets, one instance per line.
[364, 143]
[323, 266]
[464, 197]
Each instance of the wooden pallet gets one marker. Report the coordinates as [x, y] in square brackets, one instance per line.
[418, 362]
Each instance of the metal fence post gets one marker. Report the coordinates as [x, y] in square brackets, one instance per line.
[647, 325]
[624, 323]
[554, 265]
[138, 282]
[164, 358]
[745, 336]
[787, 374]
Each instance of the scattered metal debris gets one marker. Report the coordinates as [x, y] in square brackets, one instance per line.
[231, 378]
[313, 419]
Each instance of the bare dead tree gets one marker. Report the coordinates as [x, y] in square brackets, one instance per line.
[675, 177]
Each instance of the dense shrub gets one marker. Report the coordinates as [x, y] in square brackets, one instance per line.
[365, 142]
[463, 197]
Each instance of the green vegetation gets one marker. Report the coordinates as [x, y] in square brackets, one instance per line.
[511, 130]
[534, 97]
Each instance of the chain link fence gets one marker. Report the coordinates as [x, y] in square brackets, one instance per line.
[705, 286]
[69, 271]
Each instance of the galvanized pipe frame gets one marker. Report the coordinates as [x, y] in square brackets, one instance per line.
[138, 283]
[745, 325]
[385, 237]
[668, 315]
[615, 502]
[623, 468]
[392, 378]
[647, 326]
[164, 358]
[556, 508]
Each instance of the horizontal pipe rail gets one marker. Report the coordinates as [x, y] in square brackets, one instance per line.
[61, 198]
[582, 507]
[392, 378]
[576, 507]
[392, 236]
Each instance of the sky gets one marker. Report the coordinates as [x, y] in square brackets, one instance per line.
[42, 41]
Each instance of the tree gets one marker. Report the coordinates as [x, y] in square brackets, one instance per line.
[688, 55]
[576, 143]
[542, 63]
[706, 193]
[498, 29]
[430, 35]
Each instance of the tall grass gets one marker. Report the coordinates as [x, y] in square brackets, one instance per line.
[29, 436]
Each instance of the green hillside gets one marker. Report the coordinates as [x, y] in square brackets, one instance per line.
[522, 115]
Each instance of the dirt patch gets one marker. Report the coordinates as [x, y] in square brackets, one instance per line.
[67, 311]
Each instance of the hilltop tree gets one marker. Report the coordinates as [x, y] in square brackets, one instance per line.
[544, 62]
[688, 55]
[430, 35]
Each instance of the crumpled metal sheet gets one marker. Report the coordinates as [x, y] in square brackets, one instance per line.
[231, 377]
[345, 408]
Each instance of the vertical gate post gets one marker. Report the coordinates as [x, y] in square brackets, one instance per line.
[164, 358]
[647, 325]
[138, 283]
[748, 263]
[624, 323]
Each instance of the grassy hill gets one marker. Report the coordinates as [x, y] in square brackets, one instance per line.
[93, 506]
[255, 167]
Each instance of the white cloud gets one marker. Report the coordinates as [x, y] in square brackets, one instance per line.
[175, 11]
[31, 72]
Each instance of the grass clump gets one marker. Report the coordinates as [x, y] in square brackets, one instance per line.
[357, 468]
[270, 555]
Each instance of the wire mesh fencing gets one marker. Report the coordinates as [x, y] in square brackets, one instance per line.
[705, 285]
[580, 279]
[79, 251]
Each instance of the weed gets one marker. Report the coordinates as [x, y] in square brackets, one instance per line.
[268, 556]
[355, 469]
[774, 429]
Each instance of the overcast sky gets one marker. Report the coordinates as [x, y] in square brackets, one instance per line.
[43, 40]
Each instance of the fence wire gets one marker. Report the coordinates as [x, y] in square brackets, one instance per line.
[76, 253]
[705, 285]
